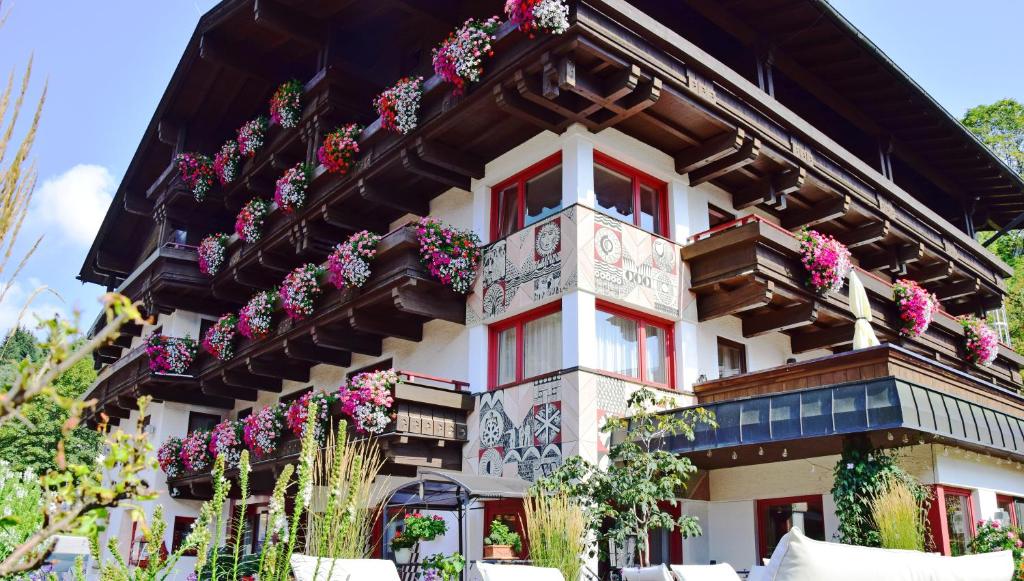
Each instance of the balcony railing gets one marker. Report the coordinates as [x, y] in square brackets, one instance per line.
[751, 268]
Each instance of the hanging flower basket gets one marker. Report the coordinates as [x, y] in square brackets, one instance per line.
[349, 264]
[982, 343]
[917, 307]
[459, 59]
[171, 355]
[339, 149]
[226, 162]
[197, 172]
[169, 457]
[826, 259]
[220, 338]
[299, 291]
[399, 106]
[252, 135]
[298, 412]
[255, 317]
[262, 430]
[286, 104]
[211, 253]
[367, 400]
[451, 255]
[290, 192]
[551, 16]
[226, 440]
[195, 451]
[250, 220]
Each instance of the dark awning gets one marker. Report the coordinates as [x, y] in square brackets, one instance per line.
[448, 489]
[886, 404]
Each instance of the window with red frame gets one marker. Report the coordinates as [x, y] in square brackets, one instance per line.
[527, 197]
[1008, 510]
[634, 346]
[959, 519]
[630, 195]
[776, 516]
[527, 346]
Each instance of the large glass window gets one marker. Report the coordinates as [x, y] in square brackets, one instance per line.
[527, 197]
[959, 520]
[634, 346]
[527, 346]
[776, 516]
[629, 195]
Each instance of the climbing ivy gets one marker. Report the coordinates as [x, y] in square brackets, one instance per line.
[859, 476]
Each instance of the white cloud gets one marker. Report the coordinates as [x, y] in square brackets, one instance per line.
[44, 305]
[71, 206]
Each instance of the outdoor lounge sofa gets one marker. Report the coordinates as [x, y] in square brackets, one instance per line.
[305, 568]
[494, 572]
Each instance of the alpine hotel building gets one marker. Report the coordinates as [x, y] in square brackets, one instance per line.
[637, 183]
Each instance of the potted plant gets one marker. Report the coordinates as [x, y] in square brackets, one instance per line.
[423, 527]
[441, 568]
[401, 546]
[503, 542]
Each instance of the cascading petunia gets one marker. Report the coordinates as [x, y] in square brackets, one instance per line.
[226, 440]
[262, 431]
[250, 220]
[172, 355]
[451, 255]
[197, 172]
[255, 317]
[917, 307]
[252, 135]
[826, 259]
[339, 149]
[550, 16]
[349, 264]
[298, 413]
[219, 340]
[286, 104]
[226, 162]
[195, 451]
[367, 399]
[169, 457]
[459, 59]
[290, 191]
[212, 250]
[399, 106]
[981, 342]
[299, 291]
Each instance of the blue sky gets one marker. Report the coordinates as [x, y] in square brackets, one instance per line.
[107, 64]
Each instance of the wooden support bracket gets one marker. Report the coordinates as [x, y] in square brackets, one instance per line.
[783, 319]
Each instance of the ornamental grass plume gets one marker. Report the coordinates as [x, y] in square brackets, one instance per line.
[557, 528]
[899, 517]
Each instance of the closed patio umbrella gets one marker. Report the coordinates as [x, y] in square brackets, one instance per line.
[863, 334]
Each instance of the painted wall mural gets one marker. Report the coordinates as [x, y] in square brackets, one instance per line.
[576, 248]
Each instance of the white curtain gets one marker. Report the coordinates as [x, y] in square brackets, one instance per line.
[542, 345]
[863, 334]
[507, 356]
[617, 349]
[656, 355]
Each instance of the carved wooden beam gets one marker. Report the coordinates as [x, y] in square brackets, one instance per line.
[433, 304]
[515, 105]
[189, 396]
[711, 150]
[824, 339]
[441, 155]
[348, 341]
[934, 272]
[218, 388]
[275, 262]
[771, 190]
[240, 377]
[781, 320]
[306, 352]
[817, 213]
[412, 162]
[754, 294]
[401, 201]
[747, 154]
[278, 369]
[290, 22]
[976, 305]
[217, 52]
[386, 325]
[116, 411]
[137, 205]
[868, 233]
[894, 260]
[955, 290]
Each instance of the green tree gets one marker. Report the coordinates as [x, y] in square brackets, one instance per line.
[629, 498]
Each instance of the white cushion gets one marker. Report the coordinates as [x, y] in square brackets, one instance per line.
[801, 559]
[304, 567]
[758, 573]
[494, 572]
[719, 572]
[653, 573]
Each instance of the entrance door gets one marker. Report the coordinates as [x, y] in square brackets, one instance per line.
[776, 516]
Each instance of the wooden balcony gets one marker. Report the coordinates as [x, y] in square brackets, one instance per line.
[751, 269]
[428, 430]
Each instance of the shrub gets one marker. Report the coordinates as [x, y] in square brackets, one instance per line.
[899, 516]
[502, 534]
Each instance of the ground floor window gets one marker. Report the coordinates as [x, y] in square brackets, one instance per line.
[776, 516]
[959, 520]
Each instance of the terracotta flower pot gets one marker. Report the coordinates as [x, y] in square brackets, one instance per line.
[499, 552]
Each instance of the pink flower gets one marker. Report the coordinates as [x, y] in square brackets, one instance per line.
[981, 342]
[826, 259]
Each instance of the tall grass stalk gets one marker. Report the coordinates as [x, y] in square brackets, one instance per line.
[243, 504]
[556, 527]
[898, 516]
